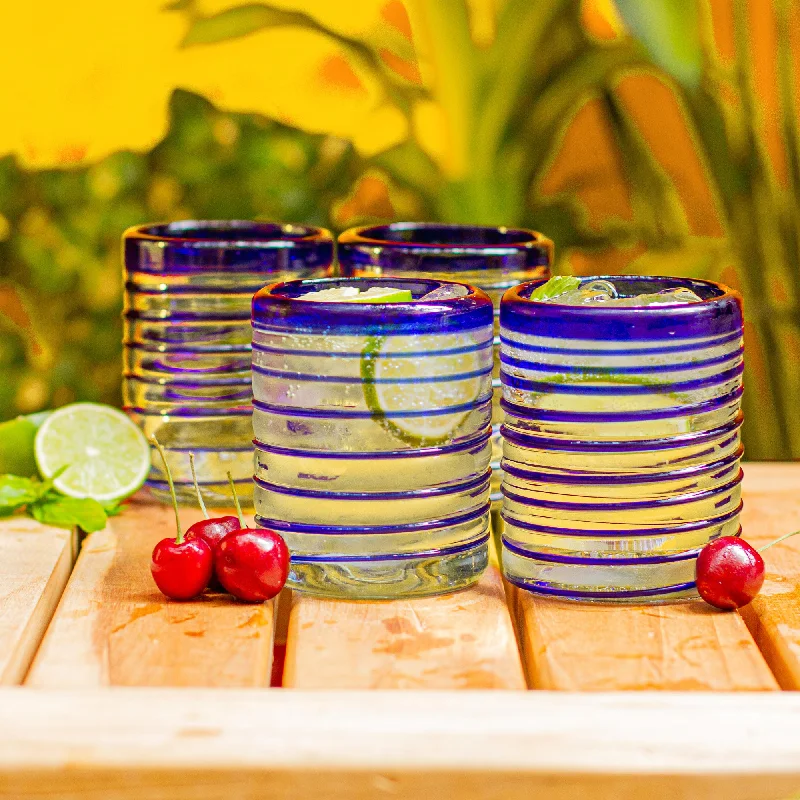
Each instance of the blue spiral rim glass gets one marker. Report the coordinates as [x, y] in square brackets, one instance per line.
[238, 246]
[436, 247]
[718, 314]
[277, 307]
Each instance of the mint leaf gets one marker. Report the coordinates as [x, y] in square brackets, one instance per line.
[114, 509]
[554, 287]
[16, 491]
[68, 512]
[47, 485]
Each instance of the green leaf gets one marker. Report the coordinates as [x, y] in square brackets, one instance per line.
[556, 286]
[241, 21]
[69, 512]
[669, 30]
[114, 509]
[16, 491]
[657, 207]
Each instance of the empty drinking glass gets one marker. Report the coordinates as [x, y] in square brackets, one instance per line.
[188, 289]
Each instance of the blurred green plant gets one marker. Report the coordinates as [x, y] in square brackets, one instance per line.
[761, 216]
[60, 272]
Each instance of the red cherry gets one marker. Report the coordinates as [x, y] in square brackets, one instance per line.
[212, 532]
[252, 563]
[730, 572]
[182, 569]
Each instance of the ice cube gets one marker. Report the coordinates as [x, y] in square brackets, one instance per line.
[665, 297]
[446, 292]
[604, 292]
[586, 293]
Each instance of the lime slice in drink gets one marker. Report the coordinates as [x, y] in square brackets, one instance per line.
[351, 294]
[106, 455]
[382, 363]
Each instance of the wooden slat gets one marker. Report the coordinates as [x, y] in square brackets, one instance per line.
[113, 627]
[463, 640]
[680, 646]
[241, 745]
[35, 563]
[771, 509]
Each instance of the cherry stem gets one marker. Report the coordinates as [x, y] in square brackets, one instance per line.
[197, 486]
[179, 535]
[779, 539]
[236, 501]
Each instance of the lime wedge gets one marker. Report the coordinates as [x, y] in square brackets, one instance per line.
[351, 294]
[381, 361]
[106, 455]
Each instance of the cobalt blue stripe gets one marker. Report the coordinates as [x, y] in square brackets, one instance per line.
[237, 349]
[632, 505]
[626, 351]
[194, 449]
[544, 387]
[340, 413]
[208, 290]
[366, 530]
[187, 316]
[197, 412]
[542, 588]
[593, 561]
[547, 415]
[163, 485]
[474, 544]
[359, 355]
[166, 383]
[415, 494]
[576, 477]
[454, 324]
[605, 533]
[590, 371]
[475, 443]
[533, 442]
[357, 379]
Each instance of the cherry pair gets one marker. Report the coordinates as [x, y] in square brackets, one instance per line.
[250, 563]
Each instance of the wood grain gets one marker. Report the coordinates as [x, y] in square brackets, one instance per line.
[35, 563]
[145, 744]
[771, 509]
[458, 641]
[680, 646]
[114, 628]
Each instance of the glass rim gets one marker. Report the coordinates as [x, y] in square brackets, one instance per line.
[518, 295]
[369, 235]
[273, 292]
[251, 233]
[472, 310]
[716, 315]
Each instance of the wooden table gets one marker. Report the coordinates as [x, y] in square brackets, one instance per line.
[117, 694]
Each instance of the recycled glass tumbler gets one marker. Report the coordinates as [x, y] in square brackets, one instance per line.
[188, 289]
[621, 440]
[493, 259]
[372, 426]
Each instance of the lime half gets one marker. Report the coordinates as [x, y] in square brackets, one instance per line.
[394, 383]
[351, 294]
[106, 455]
